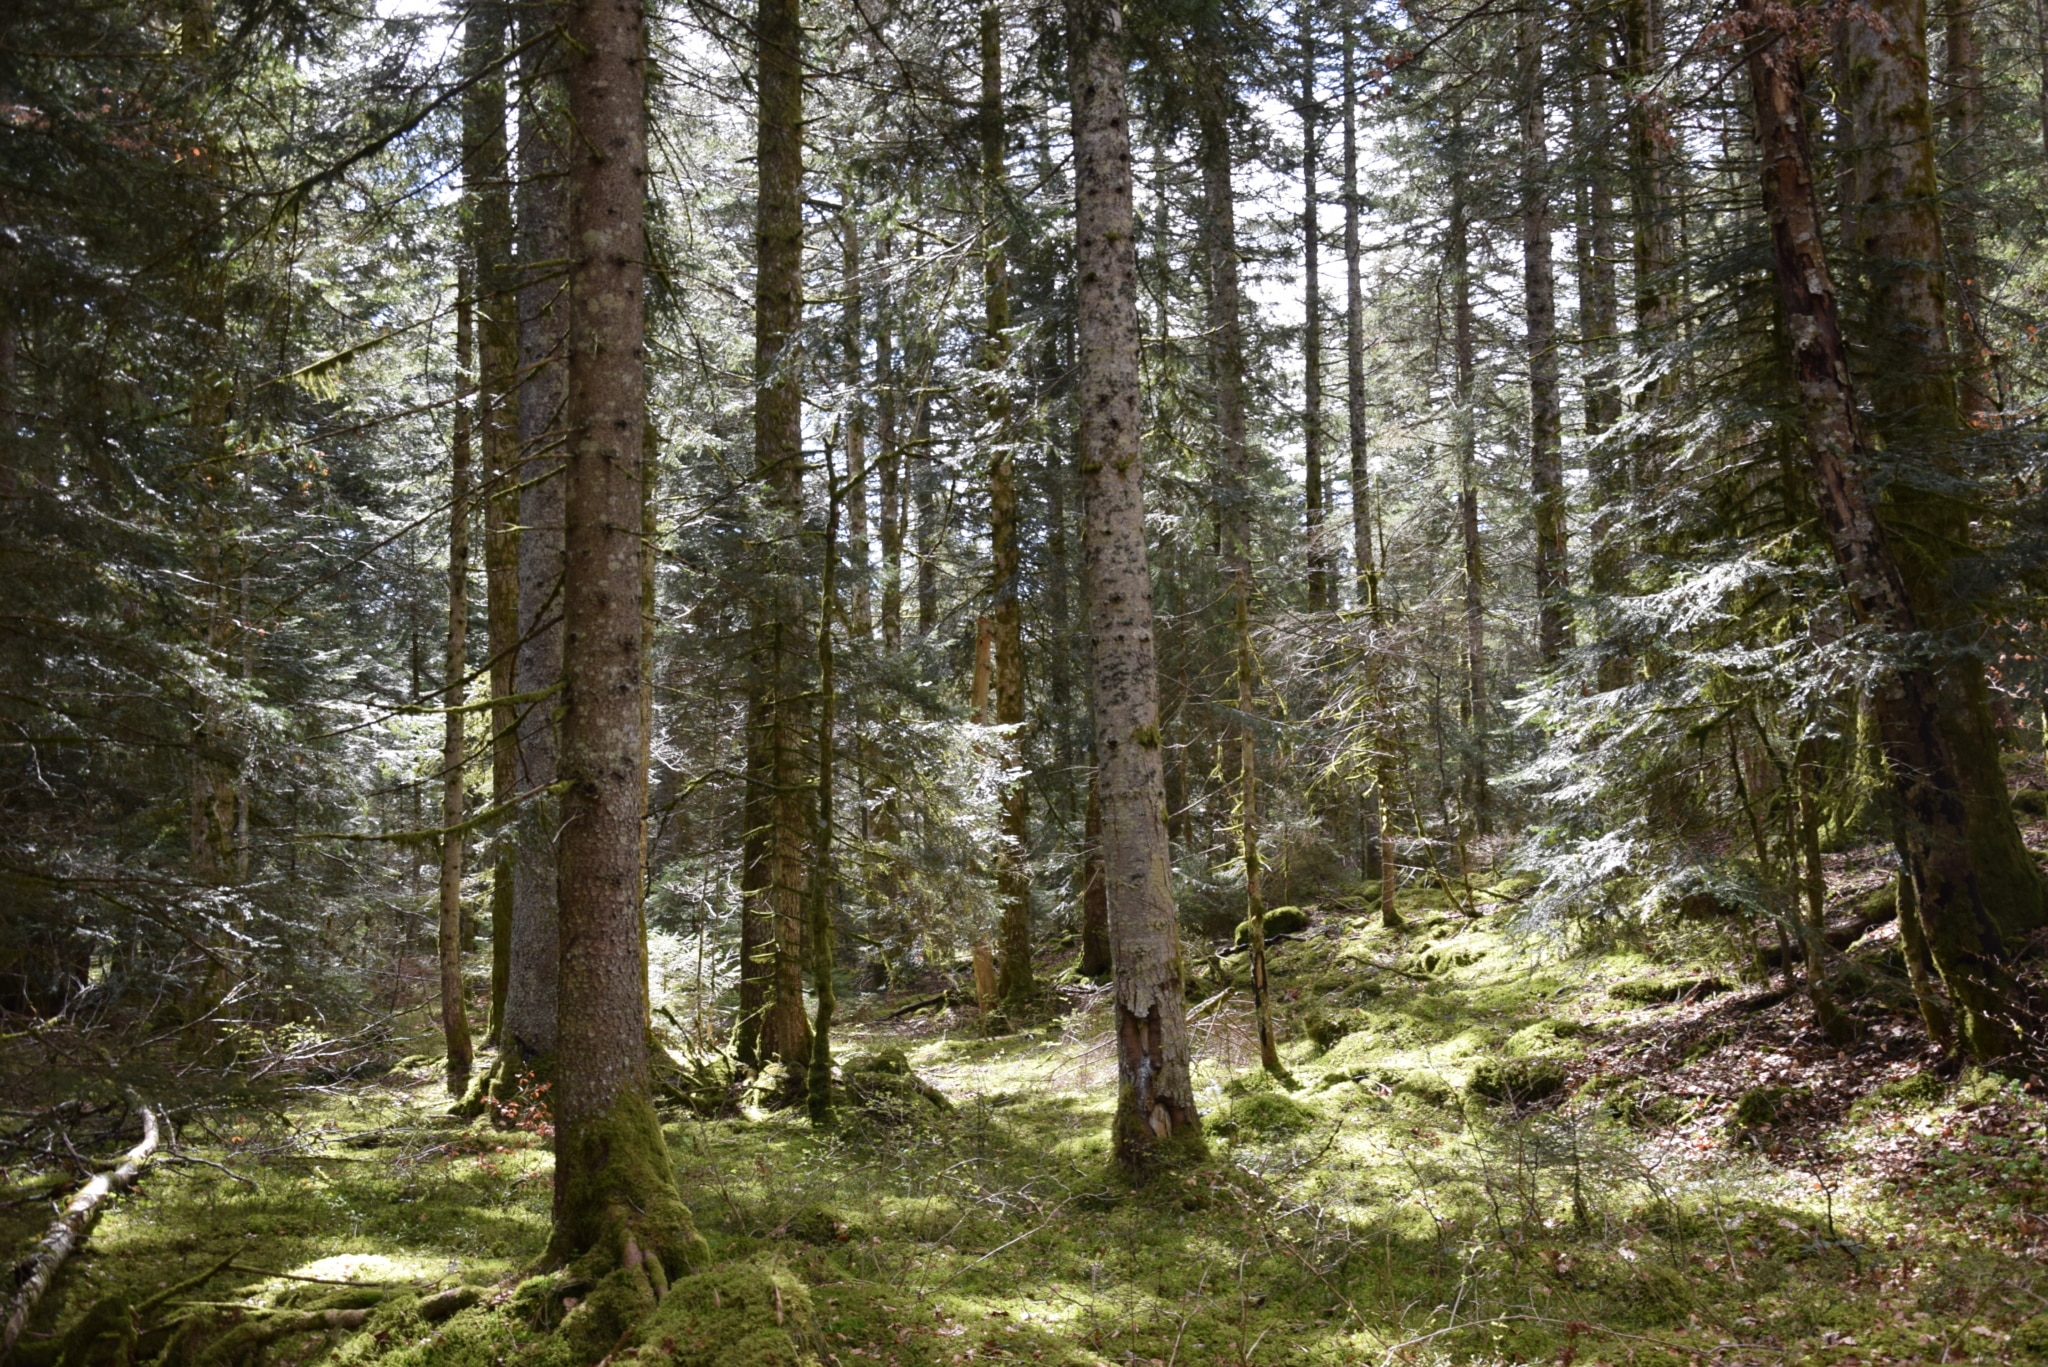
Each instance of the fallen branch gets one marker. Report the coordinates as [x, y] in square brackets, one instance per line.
[34, 1275]
[943, 999]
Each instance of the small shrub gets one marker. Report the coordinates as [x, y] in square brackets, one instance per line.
[1516, 1081]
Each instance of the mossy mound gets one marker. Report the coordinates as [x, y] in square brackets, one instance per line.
[1326, 1028]
[755, 1313]
[1547, 1037]
[1757, 1107]
[1516, 1081]
[1279, 921]
[1262, 1115]
[1661, 991]
[884, 1091]
[816, 1225]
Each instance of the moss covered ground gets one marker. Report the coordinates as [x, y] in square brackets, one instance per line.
[1695, 1176]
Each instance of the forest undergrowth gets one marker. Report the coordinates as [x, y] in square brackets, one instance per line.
[1492, 1151]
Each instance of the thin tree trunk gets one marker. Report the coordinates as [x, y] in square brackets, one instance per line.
[1321, 588]
[1233, 479]
[924, 486]
[1599, 308]
[1964, 73]
[1960, 933]
[1539, 296]
[778, 460]
[1649, 192]
[615, 1192]
[1813, 923]
[1478, 800]
[487, 189]
[1156, 1100]
[1013, 876]
[862, 622]
[889, 464]
[1363, 560]
[818, 1079]
[454, 1015]
[530, 992]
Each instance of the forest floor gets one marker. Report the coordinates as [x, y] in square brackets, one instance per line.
[1693, 1175]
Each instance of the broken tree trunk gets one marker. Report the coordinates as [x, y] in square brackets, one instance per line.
[34, 1275]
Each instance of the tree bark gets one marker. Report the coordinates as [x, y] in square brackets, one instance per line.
[1539, 302]
[1013, 876]
[530, 993]
[861, 621]
[1156, 1102]
[454, 1014]
[1963, 71]
[888, 464]
[778, 463]
[1649, 193]
[1599, 307]
[615, 1190]
[818, 1078]
[1095, 960]
[1363, 560]
[1959, 930]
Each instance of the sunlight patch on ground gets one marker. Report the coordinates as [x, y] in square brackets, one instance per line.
[370, 1267]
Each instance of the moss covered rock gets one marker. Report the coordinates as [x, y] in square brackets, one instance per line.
[884, 1091]
[1516, 1081]
[1279, 921]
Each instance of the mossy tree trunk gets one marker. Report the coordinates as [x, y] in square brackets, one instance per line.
[454, 1013]
[615, 1196]
[1893, 232]
[1156, 1099]
[1932, 803]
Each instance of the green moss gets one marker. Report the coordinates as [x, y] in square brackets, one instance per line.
[1757, 1106]
[1263, 1115]
[1921, 1089]
[1516, 1081]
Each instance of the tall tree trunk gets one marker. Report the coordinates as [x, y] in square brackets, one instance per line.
[1959, 930]
[818, 1077]
[454, 1015]
[615, 1192]
[1233, 481]
[778, 464]
[1478, 800]
[1156, 1099]
[1649, 196]
[1013, 876]
[1599, 309]
[487, 192]
[861, 621]
[1095, 960]
[530, 992]
[1321, 588]
[924, 487]
[1539, 301]
[1367, 590]
[1964, 74]
[889, 462]
[1894, 237]
[1363, 560]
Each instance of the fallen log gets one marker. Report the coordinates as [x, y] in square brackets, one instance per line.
[33, 1275]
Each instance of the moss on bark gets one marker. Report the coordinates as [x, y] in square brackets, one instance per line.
[616, 1203]
[749, 1314]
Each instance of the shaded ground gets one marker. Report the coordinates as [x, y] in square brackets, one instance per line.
[1708, 1181]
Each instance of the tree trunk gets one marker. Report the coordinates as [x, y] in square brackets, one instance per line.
[1233, 482]
[530, 992]
[454, 1015]
[1960, 933]
[1813, 890]
[1649, 191]
[1477, 796]
[615, 1192]
[1599, 308]
[924, 485]
[1013, 875]
[1321, 588]
[1363, 560]
[1539, 296]
[1895, 238]
[1964, 72]
[1156, 1100]
[889, 465]
[778, 463]
[862, 620]
[818, 1078]
[487, 192]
